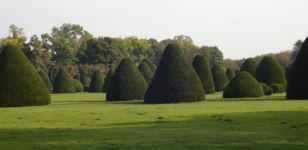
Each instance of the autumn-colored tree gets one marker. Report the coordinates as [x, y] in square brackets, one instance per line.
[185, 42]
[229, 63]
[284, 58]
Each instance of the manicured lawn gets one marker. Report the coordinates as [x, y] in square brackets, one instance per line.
[256, 124]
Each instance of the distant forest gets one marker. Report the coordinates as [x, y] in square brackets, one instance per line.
[76, 49]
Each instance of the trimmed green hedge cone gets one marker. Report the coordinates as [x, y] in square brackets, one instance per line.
[46, 80]
[150, 64]
[269, 71]
[77, 85]
[237, 70]
[220, 78]
[127, 83]
[146, 72]
[20, 83]
[230, 74]
[203, 69]
[97, 82]
[243, 85]
[277, 88]
[250, 65]
[63, 82]
[84, 80]
[107, 80]
[89, 81]
[175, 80]
[298, 78]
[266, 89]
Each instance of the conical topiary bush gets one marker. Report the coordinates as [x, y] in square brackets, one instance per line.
[97, 82]
[146, 72]
[230, 74]
[107, 80]
[243, 85]
[203, 69]
[127, 83]
[150, 64]
[77, 85]
[250, 65]
[20, 83]
[220, 78]
[46, 80]
[174, 80]
[298, 78]
[269, 72]
[84, 80]
[63, 82]
[237, 70]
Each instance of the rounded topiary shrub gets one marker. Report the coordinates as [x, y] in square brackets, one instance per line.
[174, 80]
[203, 69]
[77, 85]
[220, 78]
[86, 88]
[298, 78]
[84, 80]
[237, 70]
[150, 64]
[250, 65]
[46, 80]
[230, 74]
[277, 88]
[63, 82]
[127, 83]
[20, 83]
[266, 89]
[146, 72]
[97, 82]
[269, 71]
[107, 80]
[243, 85]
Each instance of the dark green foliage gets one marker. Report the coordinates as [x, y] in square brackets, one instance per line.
[277, 88]
[203, 69]
[150, 64]
[269, 72]
[243, 85]
[127, 83]
[89, 81]
[20, 83]
[287, 72]
[84, 80]
[230, 74]
[266, 89]
[237, 70]
[107, 80]
[97, 82]
[86, 88]
[250, 65]
[298, 78]
[146, 72]
[63, 82]
[220, 78]
[175, 80]
[77, 85]
[46, 80]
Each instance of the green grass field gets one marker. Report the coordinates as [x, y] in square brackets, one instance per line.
[256, 124]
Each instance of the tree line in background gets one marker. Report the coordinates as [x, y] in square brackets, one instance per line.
[76, 49]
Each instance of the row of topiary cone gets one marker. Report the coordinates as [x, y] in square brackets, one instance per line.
[175, 80]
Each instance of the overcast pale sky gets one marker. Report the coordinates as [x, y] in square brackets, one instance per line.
[240, 28]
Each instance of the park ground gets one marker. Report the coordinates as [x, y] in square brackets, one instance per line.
[88, 121]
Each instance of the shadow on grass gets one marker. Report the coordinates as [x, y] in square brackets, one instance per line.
[257, 130]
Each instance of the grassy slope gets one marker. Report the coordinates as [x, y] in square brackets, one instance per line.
[256, 124]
